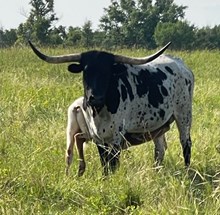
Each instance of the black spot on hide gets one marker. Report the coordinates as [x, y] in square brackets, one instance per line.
[127, 85]
[151, 84]
[164, 91]
[123, 93]
[161, 113]
[169, 70]
[119, 71]
[113, 96]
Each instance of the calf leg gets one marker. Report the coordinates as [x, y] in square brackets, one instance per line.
[71, 131]
[79, 145]
[69, 151]
[160, 147]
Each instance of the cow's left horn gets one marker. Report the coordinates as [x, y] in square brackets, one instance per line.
[56, 59]
[138, 61]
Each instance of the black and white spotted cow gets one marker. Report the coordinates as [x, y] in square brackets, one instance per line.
[132, 100]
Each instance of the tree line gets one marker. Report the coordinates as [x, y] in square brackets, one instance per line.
[124, 24]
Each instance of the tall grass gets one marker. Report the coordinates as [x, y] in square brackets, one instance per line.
[34, 97]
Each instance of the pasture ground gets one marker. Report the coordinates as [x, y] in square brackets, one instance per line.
[34, 97]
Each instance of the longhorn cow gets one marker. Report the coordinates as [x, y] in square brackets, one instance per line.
[132, 100]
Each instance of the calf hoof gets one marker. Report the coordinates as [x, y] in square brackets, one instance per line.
[67, 171]
[81, 170]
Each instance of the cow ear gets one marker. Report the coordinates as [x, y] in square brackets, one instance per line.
[75, 68]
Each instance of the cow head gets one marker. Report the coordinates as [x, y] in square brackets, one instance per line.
[96, 67]
[97, 70]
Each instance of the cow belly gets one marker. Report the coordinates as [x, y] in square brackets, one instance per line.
[136, 138]
[145, 127]
[132, 139]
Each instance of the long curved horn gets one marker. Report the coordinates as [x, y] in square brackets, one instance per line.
[56, 59]
[138, 61]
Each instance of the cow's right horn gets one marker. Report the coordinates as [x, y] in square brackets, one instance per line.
[56, 59]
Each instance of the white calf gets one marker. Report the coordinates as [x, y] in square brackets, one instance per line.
[77, 132]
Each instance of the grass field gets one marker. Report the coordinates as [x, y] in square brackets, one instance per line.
[34, 97]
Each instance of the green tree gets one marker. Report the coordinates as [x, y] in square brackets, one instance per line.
[99, 38]
[58, 35]
[142, 24]
[208, 38]
[7, 37]
[39, 24]
[168, 11]
[2, 38]
[180, 33]
[87, 33]
[132, 23]
[74, 36]
[111, 24]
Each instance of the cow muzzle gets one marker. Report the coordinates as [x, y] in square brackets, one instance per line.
[96, 102]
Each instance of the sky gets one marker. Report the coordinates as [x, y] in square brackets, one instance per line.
[77, 12]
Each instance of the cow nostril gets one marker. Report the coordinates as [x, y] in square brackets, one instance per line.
[96, 101]
[100, 100]
[91, 99]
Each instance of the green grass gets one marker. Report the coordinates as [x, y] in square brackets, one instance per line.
[34, 97]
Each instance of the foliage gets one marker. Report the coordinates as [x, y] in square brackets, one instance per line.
[58, 35]
[132, 23]
[180, 33]
[208, 38]
[74, 36]
[7, 37]
[87, 34]
[38, 26]
[34, 100]
[124, 24]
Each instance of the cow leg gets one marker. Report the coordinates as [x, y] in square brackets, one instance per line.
[79, 145]
[109, 158]
[186, 147]
[160, 148]
[184, 125]
[103, 153]
[113, 158]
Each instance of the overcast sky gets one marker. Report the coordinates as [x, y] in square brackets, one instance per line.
[76, 12]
